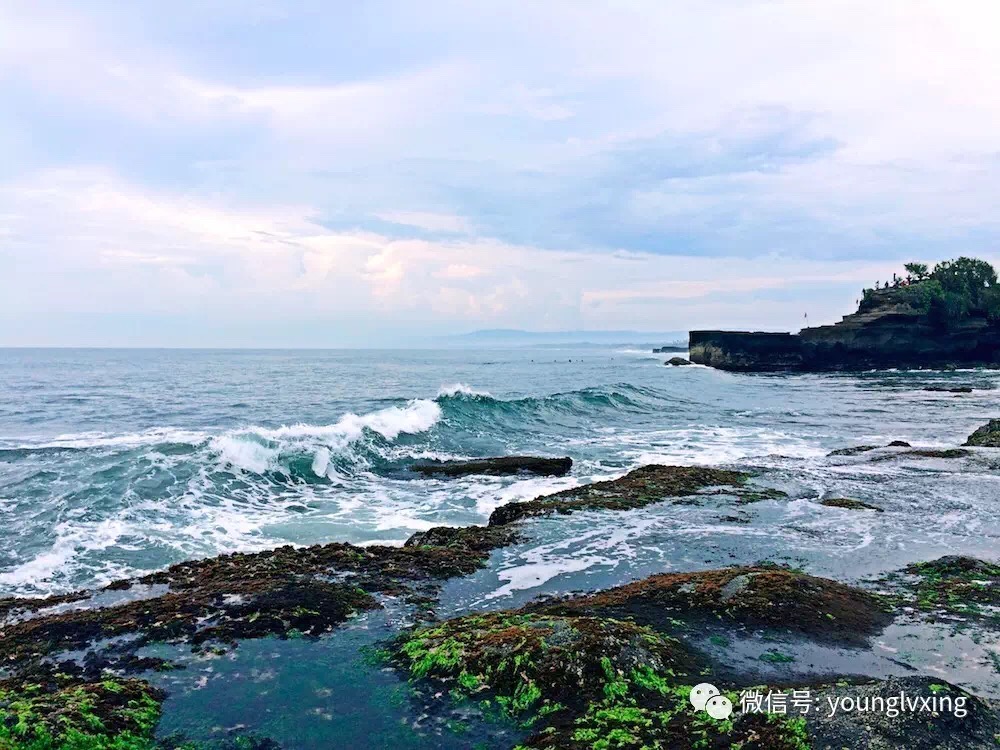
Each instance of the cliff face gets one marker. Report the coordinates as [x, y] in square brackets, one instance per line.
[891, 336]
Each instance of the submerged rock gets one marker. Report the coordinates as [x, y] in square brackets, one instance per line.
[498, 466]
[758, 597]
[949, 389]
[638, 488]
[677, 362]
[849, 504]
[987, 436]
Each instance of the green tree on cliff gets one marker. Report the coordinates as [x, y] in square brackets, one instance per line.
[918, 271]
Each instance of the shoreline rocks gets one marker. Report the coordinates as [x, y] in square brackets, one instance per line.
[640, 487]
[987, 436]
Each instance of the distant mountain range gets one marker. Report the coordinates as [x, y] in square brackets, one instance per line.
[517, 337]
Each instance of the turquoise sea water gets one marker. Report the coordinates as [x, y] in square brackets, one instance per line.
[114, 462]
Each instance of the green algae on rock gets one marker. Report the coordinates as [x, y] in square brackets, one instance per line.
[952, 585]
[244, 595]
[640, 487]
[756, 597]
[987, 436]
[580, 682]
[539, 663]
[110, 714]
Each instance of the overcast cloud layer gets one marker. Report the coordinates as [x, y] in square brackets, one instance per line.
[231, 172]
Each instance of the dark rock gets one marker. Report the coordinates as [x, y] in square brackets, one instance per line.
[885, 335]
[898, 444]
[677, 362]
[849, 504]
[762, 597]
[854, 451]
[936, 453]
[966, 723]
[638, 488]
[498, 466]
[474, 538]
[949, 389]
[987, 436]
[670, 348]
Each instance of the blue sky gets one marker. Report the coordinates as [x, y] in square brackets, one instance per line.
[340, 173]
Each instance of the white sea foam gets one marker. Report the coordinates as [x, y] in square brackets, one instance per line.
[257, 449]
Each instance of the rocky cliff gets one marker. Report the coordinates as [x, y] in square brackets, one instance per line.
[891, 335]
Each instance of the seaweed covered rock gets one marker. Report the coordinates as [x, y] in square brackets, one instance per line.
[849, 504]
[533, 662]
[762, 597]
[498, 466]
[112, 714]
[677, 362]
[472, 538]
[987, 436]
[952, 585]
[243, 595]
[640, 487]
[581, 683]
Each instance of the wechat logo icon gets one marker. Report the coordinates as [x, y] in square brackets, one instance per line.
[706, 697]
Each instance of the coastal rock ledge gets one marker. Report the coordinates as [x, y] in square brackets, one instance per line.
[943, 319]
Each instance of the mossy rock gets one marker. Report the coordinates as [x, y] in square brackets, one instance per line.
[531, 663]
[579, 682]
[952, 585]
[757, 597]
[113, 714]
[987, 436]
[640, 487]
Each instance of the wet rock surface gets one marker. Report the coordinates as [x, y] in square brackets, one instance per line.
[987, 436]
[950, 587]
[643, 486]
[677, 362]
[500, 466]
[766, 598]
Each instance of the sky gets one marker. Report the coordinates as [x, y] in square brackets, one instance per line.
[279, 173]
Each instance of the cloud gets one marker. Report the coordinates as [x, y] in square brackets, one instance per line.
[553, 164]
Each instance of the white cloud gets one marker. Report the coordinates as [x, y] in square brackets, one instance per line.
[140, 251]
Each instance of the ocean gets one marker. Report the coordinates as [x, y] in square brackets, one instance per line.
[119, 462]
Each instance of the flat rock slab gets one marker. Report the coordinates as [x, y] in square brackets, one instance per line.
[498, 466]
